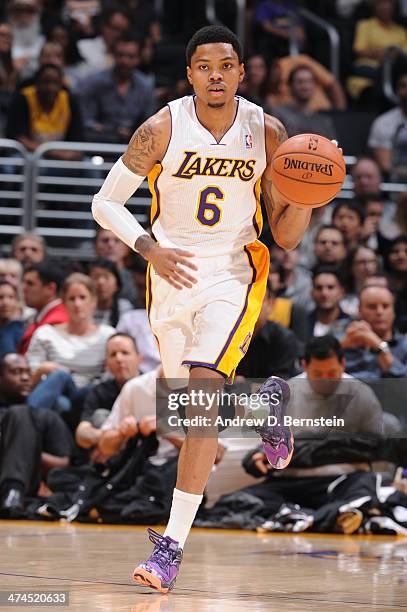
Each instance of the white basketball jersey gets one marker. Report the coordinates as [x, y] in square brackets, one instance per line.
[206, 194]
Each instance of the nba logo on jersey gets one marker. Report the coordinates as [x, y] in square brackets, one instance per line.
[245, 344]
[248, 141]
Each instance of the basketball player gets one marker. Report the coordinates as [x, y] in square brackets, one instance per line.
[206, 157]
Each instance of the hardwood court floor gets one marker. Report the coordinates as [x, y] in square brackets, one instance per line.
[223, 571]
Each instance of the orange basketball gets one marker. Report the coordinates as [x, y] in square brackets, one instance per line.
[308, 170]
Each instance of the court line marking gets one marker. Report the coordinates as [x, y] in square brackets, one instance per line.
[222, 594]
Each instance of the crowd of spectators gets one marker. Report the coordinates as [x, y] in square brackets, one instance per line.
[79, 365]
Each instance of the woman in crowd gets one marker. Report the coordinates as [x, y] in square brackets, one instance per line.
[256, 81]
[11, 326]
[109, 307]
[67, 359]
[360, 263]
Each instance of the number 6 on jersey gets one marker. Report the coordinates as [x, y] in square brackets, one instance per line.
[208, 212]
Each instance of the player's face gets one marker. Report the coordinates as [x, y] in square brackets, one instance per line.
[215, 73]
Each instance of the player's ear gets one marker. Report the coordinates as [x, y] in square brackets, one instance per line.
[189, 75]
[241, 72]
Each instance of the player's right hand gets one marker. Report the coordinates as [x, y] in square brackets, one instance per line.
[170, 264]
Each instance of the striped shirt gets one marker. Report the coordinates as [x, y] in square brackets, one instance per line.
[84, 356]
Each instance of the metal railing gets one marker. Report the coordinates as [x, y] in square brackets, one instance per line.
[53, 197]
[14, 196]
[391, 55]
[330, 31]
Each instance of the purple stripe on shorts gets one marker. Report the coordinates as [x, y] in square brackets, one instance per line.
[236, 325]
[150, 293]
[199, 363]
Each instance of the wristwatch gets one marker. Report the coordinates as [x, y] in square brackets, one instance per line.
[383, 347]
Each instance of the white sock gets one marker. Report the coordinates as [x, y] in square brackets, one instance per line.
[183, 510]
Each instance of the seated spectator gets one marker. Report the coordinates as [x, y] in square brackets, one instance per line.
[108, 246]
[295, 115]
[396, 262]
[329, 246]
[400, 217]
[109, 306]
[74, 66]
[24, 17]
[297, 280]
[117, 100]
[8, 75]
[367, 182]
[322, 455]
[273, 348]
[11, 271]
[44, 112]
[372, 38]
[41, 285]
[328, 93]
[327, 293]
[374, 207]
[349, 218]
[360, 264]
[134, 411]
[274, 19]
[97, 53]
[28, 248]
[373, 349]
[11, 326]
[68, 358]
[80, 16]
[283, 310]
[388, 136]
[30, 444]
[135, 323]
[256, 80]
[122, 362]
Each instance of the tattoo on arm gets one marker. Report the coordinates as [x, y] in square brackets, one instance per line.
[281, 133]
[267, 197]
[142, 148]
[143, 245]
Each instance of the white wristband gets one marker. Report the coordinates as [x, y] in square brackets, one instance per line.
[108, 205]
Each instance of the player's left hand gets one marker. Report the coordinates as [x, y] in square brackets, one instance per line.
[335, 142]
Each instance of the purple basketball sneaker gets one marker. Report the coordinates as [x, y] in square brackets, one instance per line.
[278, 441]
[161, 569]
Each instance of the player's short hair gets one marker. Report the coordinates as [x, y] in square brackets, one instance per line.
[213, 34]
[350, 205]
[323, 347]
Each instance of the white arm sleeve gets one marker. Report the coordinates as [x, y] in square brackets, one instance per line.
[108, 205]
